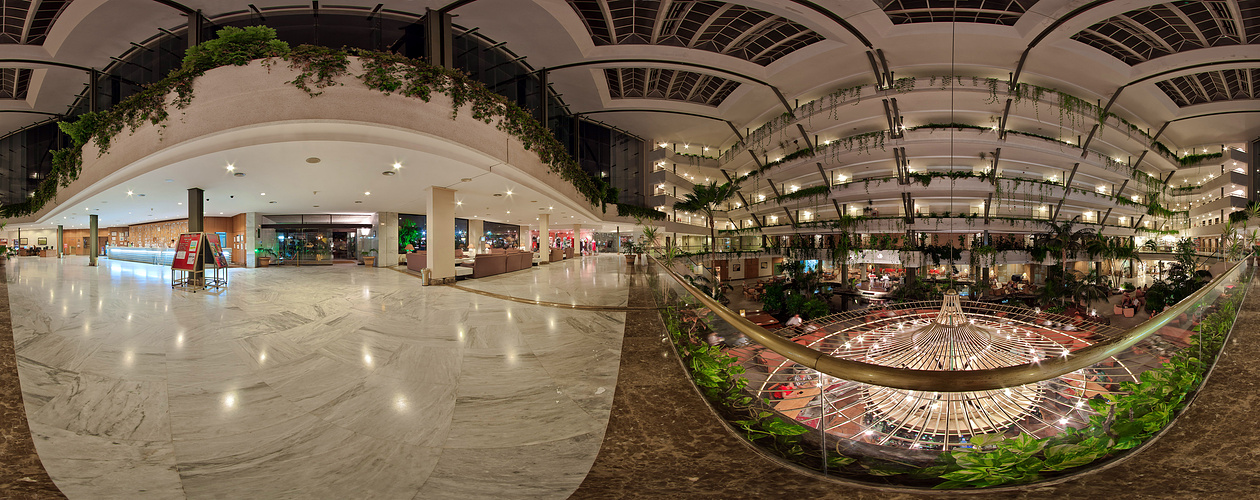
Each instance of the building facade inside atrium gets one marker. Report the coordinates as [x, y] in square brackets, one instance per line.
[472, 248]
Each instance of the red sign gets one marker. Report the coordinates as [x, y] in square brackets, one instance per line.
[187, 251]
[219, 259]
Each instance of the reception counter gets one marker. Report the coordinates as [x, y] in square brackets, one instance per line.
[156, 256]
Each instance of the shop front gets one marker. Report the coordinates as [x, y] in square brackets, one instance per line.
[316, 239]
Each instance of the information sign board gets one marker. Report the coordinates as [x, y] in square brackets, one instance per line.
[216, 251]
[187, 251]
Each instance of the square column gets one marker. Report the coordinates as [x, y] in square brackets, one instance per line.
[386, 225]
[252, 228]
[61, 241]
[92, 241]
[544, 220]
[476, 235]
[440, 222]
[196, 211]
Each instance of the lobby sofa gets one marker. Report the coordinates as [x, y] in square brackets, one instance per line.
[556, 255]
[417, 261]
[489, 265]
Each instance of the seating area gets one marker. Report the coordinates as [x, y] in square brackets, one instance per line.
[498, 261]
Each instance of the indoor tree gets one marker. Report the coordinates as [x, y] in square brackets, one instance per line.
[704, 199]
[1064, 239]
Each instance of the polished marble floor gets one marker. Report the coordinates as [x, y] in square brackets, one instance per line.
[329, 382]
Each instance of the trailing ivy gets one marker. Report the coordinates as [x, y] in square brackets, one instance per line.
[806, 193]
[635, 211]
[318, 68]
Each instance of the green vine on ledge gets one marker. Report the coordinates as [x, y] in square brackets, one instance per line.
[637, 212]
[318, 68]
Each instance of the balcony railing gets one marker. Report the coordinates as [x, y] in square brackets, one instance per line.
[858, 395]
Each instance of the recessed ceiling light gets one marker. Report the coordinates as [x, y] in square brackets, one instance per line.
[129, 193]
[180, 203]
[509, 193]
[397, 165]
[263, 194]
[312, 160]
[388, 172]
[367, 193]
[459, 203]
[231, 167]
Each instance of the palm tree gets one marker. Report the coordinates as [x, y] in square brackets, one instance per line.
[1062, 238]
[1090, 289]
[1123, 249]
[704, 199]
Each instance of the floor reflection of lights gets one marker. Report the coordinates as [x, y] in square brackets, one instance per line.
[927, 420]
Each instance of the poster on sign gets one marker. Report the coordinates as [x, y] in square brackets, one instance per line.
[187, 251]
[217, 253]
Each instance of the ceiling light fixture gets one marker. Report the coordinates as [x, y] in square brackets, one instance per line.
[388, 173]
[231, 167]
[367, 193]
[397, 165]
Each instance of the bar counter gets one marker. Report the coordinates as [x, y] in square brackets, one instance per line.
[156, 256]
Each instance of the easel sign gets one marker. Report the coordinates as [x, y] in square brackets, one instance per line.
[187, 252]
[217, 253]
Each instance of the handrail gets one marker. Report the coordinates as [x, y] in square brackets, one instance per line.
[950, 381]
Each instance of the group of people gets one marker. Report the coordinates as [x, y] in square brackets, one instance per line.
[1136, 301]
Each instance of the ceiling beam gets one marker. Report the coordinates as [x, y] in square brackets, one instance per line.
[608, 21]
[695, 38]
[1113, 41]
[1191, 24]
[835, 19]
[1236, 16]
[1184, 97]
[1198, 85]
[660, 21]
[779, 43]
[753, 30]
[1139, 29]
[1019, 67]
[30, 19]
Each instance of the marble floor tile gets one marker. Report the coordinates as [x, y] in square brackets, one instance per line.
[328, 382]
[86, 466]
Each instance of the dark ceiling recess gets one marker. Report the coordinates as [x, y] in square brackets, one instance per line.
[27, 21]
[1141, 35]
[668, 84]
[14, 82]
[1004, 12]
[1212, 86]
[735, 30]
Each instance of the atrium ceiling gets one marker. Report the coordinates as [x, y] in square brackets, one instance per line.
[748, 62]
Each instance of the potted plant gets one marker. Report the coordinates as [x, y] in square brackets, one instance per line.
[264, 256]
[631, 251]
[369, 257]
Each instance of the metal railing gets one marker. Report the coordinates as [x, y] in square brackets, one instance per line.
[826, 374]
[960, 380]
